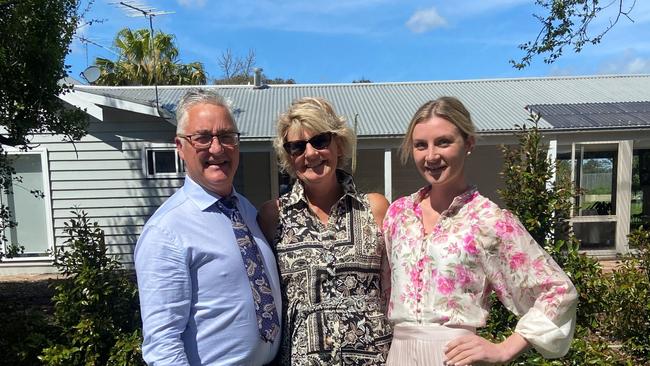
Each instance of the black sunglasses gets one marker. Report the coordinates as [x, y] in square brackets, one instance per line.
[318, 142]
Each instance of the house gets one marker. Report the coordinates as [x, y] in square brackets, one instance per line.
[127, 166]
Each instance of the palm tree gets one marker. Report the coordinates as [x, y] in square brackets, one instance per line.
[141, 64]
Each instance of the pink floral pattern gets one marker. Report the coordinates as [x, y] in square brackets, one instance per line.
[447, 275]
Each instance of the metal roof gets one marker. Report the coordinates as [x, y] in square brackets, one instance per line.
[595, 115]
[384, 109]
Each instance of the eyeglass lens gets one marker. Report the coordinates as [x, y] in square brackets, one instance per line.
[229, 139]
[318, 142]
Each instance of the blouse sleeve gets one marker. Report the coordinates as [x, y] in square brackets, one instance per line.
[531, 285]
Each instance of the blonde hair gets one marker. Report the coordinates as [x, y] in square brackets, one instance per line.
[449, 108]
[316, 115]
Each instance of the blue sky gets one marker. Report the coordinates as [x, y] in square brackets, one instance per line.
[332, 41]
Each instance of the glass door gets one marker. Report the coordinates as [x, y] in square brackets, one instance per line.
[594, 171]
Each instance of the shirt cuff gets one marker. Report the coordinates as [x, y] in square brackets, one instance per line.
[551, 340]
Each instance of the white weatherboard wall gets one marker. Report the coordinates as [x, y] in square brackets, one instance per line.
[102, 175]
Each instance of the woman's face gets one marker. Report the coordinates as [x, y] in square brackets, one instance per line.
[319, 159]
[439, 152]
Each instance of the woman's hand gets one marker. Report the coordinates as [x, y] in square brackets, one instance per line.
[475, 350]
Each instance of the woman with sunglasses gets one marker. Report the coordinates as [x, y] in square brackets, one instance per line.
[328, 244]
[449, 248]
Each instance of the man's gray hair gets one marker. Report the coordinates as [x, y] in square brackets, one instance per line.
[194, 97]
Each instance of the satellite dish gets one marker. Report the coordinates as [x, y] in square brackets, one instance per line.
[91, 74]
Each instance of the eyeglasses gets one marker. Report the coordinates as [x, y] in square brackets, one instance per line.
[204, 140]
[318, 142]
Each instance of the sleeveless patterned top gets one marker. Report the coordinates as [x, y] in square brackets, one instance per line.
[330, 278]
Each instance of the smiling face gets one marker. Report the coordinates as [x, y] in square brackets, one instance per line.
[314, 166]
[439, 152]
[214, 167]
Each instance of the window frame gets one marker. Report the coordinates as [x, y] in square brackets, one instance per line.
[47, 199]
[623, 194]
[180, 166]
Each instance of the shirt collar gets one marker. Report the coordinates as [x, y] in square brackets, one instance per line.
[200, 196]
[458, 202]
[297, 193]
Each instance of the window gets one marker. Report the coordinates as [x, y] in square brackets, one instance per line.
[28, 199]
[162, 162]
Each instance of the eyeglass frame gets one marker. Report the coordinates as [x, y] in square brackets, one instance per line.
[303, 143]
[212, 135]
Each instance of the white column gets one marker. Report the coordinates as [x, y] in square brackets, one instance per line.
[552, 156]
[388, 175]
[623, 195]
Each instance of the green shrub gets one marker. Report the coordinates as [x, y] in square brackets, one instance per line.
[544, 208]
[26, 330]
[95, 306]
[587, 276]
[629, 298]
[590, 348]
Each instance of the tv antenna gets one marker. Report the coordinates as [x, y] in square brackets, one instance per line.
[86, 41]
[92, 72]
[135, 9]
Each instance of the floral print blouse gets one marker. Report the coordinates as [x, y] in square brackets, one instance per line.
[330, 278]
[447, 275]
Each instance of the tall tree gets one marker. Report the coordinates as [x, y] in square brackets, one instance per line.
[567, 23]
[34, 40]
[143, 62]
[238, 70]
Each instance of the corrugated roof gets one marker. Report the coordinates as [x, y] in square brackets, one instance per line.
[595, 115]
[384, 109]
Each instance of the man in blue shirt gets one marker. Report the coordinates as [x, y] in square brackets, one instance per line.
[196, 296]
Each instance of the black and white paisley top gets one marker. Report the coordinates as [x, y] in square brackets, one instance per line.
[330, 278]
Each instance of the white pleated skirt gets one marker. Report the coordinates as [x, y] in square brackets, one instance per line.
[422, 345]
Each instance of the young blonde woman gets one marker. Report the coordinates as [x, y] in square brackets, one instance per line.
[449, 248]
[328, 243]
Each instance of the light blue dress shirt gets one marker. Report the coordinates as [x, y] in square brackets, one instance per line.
[196, 301]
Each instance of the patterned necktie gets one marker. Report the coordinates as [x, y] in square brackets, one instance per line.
[267, 315]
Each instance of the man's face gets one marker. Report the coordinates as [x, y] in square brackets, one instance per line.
[213, 167]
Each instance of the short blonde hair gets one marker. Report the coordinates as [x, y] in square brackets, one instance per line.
[315, 115]
[449, 108]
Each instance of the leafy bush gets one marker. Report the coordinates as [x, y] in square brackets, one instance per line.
[25, 331]
[96, 306]
[544, 207]
[629, 298]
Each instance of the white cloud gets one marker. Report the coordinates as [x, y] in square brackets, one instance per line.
[630, 63]
[425, 20]
[191, 3]
[563, 71]
[472, 8]
[357, 17]
[636, 65]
